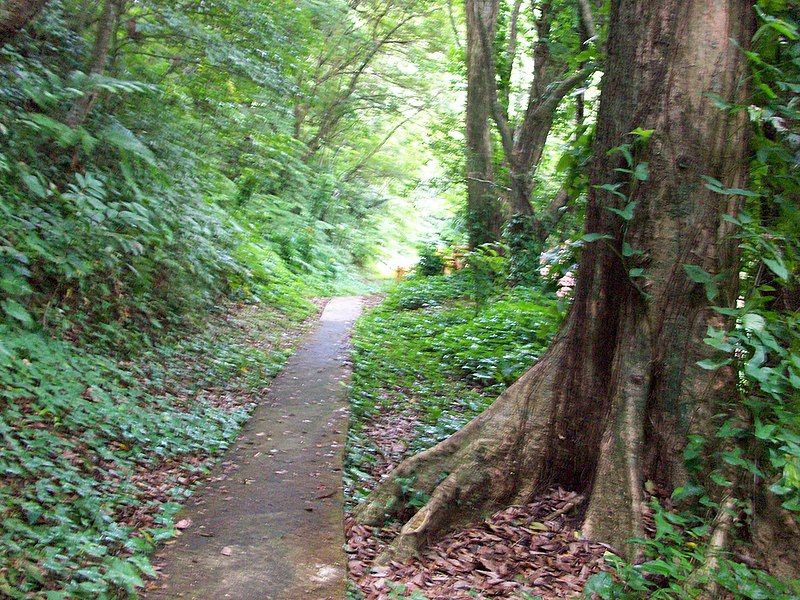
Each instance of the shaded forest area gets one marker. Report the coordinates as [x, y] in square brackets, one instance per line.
[618, 360]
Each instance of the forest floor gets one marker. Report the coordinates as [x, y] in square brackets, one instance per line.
[522, 552]
[427, 359]
[271, 516]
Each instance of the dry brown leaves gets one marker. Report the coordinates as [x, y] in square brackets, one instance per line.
[511, 552]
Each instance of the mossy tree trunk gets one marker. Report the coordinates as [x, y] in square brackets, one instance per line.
[612, 403]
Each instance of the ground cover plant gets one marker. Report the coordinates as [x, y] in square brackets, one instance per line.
[100, 453]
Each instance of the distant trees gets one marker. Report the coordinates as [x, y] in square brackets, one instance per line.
[555, 74]
[351, 72]
[157, 153]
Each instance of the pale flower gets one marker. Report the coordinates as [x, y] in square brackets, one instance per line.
[567, 281]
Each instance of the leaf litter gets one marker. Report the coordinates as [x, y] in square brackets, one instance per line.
[532, 549]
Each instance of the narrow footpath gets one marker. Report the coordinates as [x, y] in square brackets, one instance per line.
[269, 524]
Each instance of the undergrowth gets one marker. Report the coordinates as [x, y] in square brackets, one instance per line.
[431, 350]
[99, 453]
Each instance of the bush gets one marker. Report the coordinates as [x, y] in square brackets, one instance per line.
[430, 261]
[419, 292]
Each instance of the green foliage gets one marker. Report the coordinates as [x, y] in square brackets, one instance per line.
[430, 262]
[487, 271]
[503, 340]
[419, 292]
[82, 433]
[672, 567]
[427, 351]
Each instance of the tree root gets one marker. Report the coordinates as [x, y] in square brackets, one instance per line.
[497, 459]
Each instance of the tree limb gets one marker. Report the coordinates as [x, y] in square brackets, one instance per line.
[498, 114]
[587, 18]
[377, 148]
[456, 35]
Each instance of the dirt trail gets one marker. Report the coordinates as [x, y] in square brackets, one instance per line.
[271, 529]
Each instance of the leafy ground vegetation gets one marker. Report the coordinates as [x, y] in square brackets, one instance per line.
[99, 453]
[428, 358]
[430, 353]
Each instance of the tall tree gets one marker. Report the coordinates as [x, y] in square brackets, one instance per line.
[612, 403]
[553, 78]
[484, 206]
[15, 15]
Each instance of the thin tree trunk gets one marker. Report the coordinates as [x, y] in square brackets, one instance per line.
[612, 402]
[97, 64]
[485, 210]
[15, 16]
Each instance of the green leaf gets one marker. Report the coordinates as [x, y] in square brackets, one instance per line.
[698, 274]
[593, 237]
[713, 365]
[123, 573]
[613, 188]
[642, 171]
[753, 322]
[643, 134]
[15, 310]
[601, 584]
[627, 212]
[777, 266]
[716, 186]
[122, 138]
[625, 150]
[719, 479]
[33, 184]
[565, 162]
[659, 567]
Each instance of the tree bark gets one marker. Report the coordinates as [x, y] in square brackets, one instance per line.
[612, 402]
[15, 15]
[485, 209]
[97, 64]
[524, 144]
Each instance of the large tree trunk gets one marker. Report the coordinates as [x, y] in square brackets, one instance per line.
[612, 402]
[485, 209]
[15, 15]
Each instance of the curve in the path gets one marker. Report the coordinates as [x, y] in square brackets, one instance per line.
[272, 529]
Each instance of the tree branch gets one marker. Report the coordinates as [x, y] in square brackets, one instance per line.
[456, 35]
[377, 148]
[498, 114]
[587, 18]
